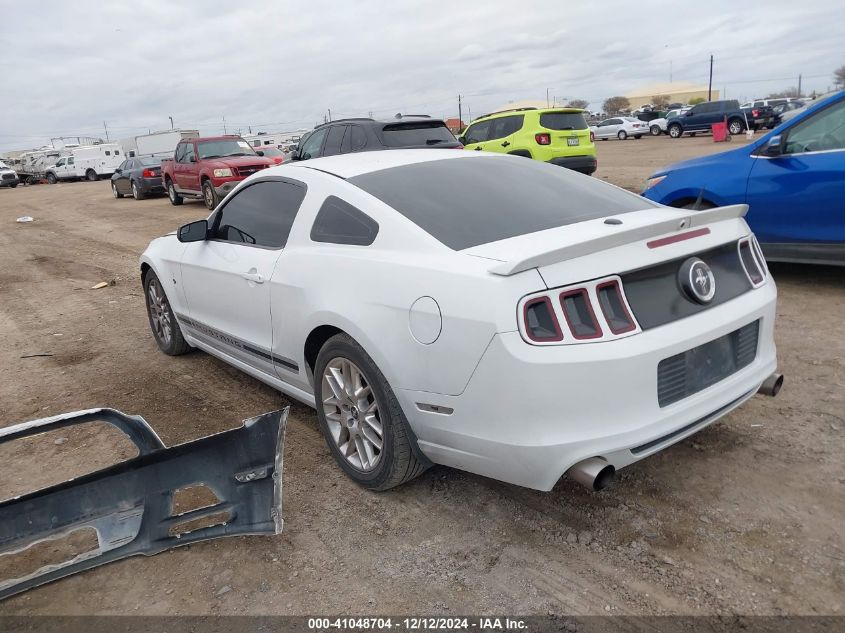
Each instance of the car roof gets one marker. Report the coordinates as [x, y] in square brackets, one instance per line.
[381, 122]
[513, 111]
[355, 164]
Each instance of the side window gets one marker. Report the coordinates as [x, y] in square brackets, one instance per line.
[261, 214]
[189, 152]
[70, 161]
[256, 143]
[124, 166]
[505, 126]
[338, 222]
[311, 148]
[60, 162]
[823, 131]
[354, 140]
[108, 153]
[179, 156]
[478, 132]
[117, 152]
[334, 140]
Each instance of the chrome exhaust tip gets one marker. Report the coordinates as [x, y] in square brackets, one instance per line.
[771, 385]
[593, 473]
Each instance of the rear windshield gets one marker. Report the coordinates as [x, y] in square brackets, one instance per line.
[475, 200]
[563, 121]
[416, 133]
[149, 161]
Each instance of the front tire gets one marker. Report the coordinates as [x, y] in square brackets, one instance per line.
[655, 130]
[91, 175]
[175, 198]
[675, 131]
[51, 178]
[163, 324]
[622, 135]
[209, 196]
[361, 419]
[736, 127]
[137, 193]
[114, 190]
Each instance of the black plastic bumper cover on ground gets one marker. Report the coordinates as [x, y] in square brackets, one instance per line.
[130, 504]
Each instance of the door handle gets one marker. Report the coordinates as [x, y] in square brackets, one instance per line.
[505, 144]
[253, 276]
[477, 149]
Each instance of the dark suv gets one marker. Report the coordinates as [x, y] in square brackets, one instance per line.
[363, 135]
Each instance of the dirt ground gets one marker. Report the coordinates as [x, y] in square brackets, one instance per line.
[745, 517]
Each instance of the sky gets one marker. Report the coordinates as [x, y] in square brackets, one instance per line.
[71, 67]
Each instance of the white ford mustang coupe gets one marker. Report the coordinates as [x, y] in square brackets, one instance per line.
[495, 314]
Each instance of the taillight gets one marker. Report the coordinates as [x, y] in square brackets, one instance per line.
[579, 314]
[149, 173]
[566, 316]
[592, 137]
[751, 257]
[543, 138]
[755, 113]
[540, 321]
[458, 146]
[614, 307]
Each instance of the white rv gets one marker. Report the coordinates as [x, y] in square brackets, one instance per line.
[161, 144]
[91, 162]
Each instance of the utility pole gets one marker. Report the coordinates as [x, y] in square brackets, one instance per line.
[799, 85]
[106, 128]
[547, 97]
[670, 71]
[710, 84]
[330, 114]
[171, 122]
[460, 117]
[224, 126]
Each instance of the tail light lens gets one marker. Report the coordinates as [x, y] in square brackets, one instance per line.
[751, 257]
[541, 324]
[543, 138]
[579, 314]
[755, 113]
[592, 137]
[150, 173]
[614, 308]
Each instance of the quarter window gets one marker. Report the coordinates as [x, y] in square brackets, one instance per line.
[338, 222]
[261, 214]
[504, 126]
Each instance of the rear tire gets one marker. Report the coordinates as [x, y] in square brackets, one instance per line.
[655, 130]
[13, 185]
[209, 196]
[622, 135]
[638, 137]
[91, 175]
[137, 193]
[163, 324]
[175, 198]
[396, 462]
[114, 190]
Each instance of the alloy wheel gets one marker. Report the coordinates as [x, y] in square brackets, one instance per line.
[159, 312]
[135, 191]
[114, 190]
[352, 414]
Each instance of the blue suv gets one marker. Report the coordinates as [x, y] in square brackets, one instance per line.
[793, 180]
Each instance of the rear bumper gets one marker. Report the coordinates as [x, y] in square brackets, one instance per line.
[8, 182]
[151, 185]
[529, 413]
[583, 164]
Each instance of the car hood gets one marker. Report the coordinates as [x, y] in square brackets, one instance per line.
[701, 161]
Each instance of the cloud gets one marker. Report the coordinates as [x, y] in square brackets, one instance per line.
[70, 67]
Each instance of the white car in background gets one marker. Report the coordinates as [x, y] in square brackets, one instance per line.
[656, 127]
[498, 315]
[620, 127]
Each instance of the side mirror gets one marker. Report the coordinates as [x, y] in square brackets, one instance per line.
[773, 146]
[689, 113]
[259, 152]
[118, 171]
[193, 159]
[193, 231]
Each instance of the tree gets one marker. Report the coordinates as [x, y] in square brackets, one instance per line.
[578, 103]
[615, 105]
[697, 100]
[789, 92]
[660, 101]
[839, 76]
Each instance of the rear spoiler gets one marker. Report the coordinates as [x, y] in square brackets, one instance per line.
[602, 236]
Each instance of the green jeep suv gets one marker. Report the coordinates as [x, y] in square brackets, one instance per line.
[556, 135]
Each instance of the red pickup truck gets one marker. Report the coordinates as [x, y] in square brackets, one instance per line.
[209, 168]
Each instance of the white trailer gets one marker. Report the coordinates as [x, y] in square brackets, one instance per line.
[276, 139]
[161, 143]
[90, 162]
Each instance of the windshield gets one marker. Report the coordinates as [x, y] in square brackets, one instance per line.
[225, 147]
[416, 134]
[465, 202]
